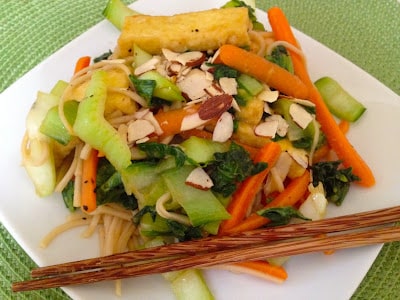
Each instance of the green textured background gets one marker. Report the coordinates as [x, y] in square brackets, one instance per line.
[367, 32]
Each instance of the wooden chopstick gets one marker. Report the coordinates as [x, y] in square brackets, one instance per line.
[224, 250]
[337, 224]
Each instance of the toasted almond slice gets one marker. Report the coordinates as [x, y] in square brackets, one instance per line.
[198, 178]
[147, 66]
[191, 59]
[229, 85]
[267, 128]
[139, 129]
[214, 106]
[194, 84]
[224, 128]
[299, 155]
[283, 126]
[192, 121]
[268, 96]
[169, 55]
[300, 115]
[150, 117]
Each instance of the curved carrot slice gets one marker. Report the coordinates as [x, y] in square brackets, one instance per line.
[262, 69]
[244, 195]
[336, 138]
[288, 197]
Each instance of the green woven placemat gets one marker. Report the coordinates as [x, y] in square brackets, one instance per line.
[363, 31]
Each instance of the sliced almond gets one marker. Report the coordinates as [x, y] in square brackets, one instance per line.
[228, 85]
[169, 55]
[214, 106]
[150, 117]
[194, 84]
[192, 121]
[267, 128]
[139, 129]
[199, 179]
[283, 126]
[214, 90]
[191, 59]
[224, 128]
[268, 96]
[147, 66]
[300, 115]
[300, 156]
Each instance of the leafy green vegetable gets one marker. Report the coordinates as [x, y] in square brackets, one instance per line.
[336, 181]
[160, 151]
[281, 57]
[230, 168]
[220, 71]
[145, 210]
[68, 196]
[156, 223]
[109, 187]
[237, 3]
[144, 87]
[103, 56]
[281, 215]
[183, 232]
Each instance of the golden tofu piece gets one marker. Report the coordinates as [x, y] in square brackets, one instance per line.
[116, 78]
[201, 31]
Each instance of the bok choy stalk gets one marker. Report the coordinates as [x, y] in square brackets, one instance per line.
[38, 158]
[91, 127]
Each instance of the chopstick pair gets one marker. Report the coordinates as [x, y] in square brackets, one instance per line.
[252, 245]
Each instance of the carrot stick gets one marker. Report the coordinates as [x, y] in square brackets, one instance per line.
[244, 195]
[82, 63]
[263, 70]
[344, 126]
[261, 269]
[170, 121]
[201, 133]
[89, 171]
[336, 138]
[288, 197]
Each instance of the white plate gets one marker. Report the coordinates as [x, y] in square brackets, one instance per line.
[313, 276]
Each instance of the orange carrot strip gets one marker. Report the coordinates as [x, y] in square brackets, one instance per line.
[261, 269]
[263, 70]
[288, 197]
[89, 171]
[321, 153]
[344, 126]
[244, 195]
[170, 121]
[336, 138]
[196, 132]
[82, 63]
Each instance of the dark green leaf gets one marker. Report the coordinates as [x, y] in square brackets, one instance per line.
[281, 57]
[280, 215]
[237, 3]
[220, 71]
[231, 167]
[144, 87]
[160, 151]
[336, 181]
[183, 232]
[147, 209]
[68, 196]
[104, 56]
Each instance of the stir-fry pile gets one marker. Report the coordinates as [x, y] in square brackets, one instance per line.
[197, 124]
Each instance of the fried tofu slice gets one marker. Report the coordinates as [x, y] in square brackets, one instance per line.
[201, 31]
